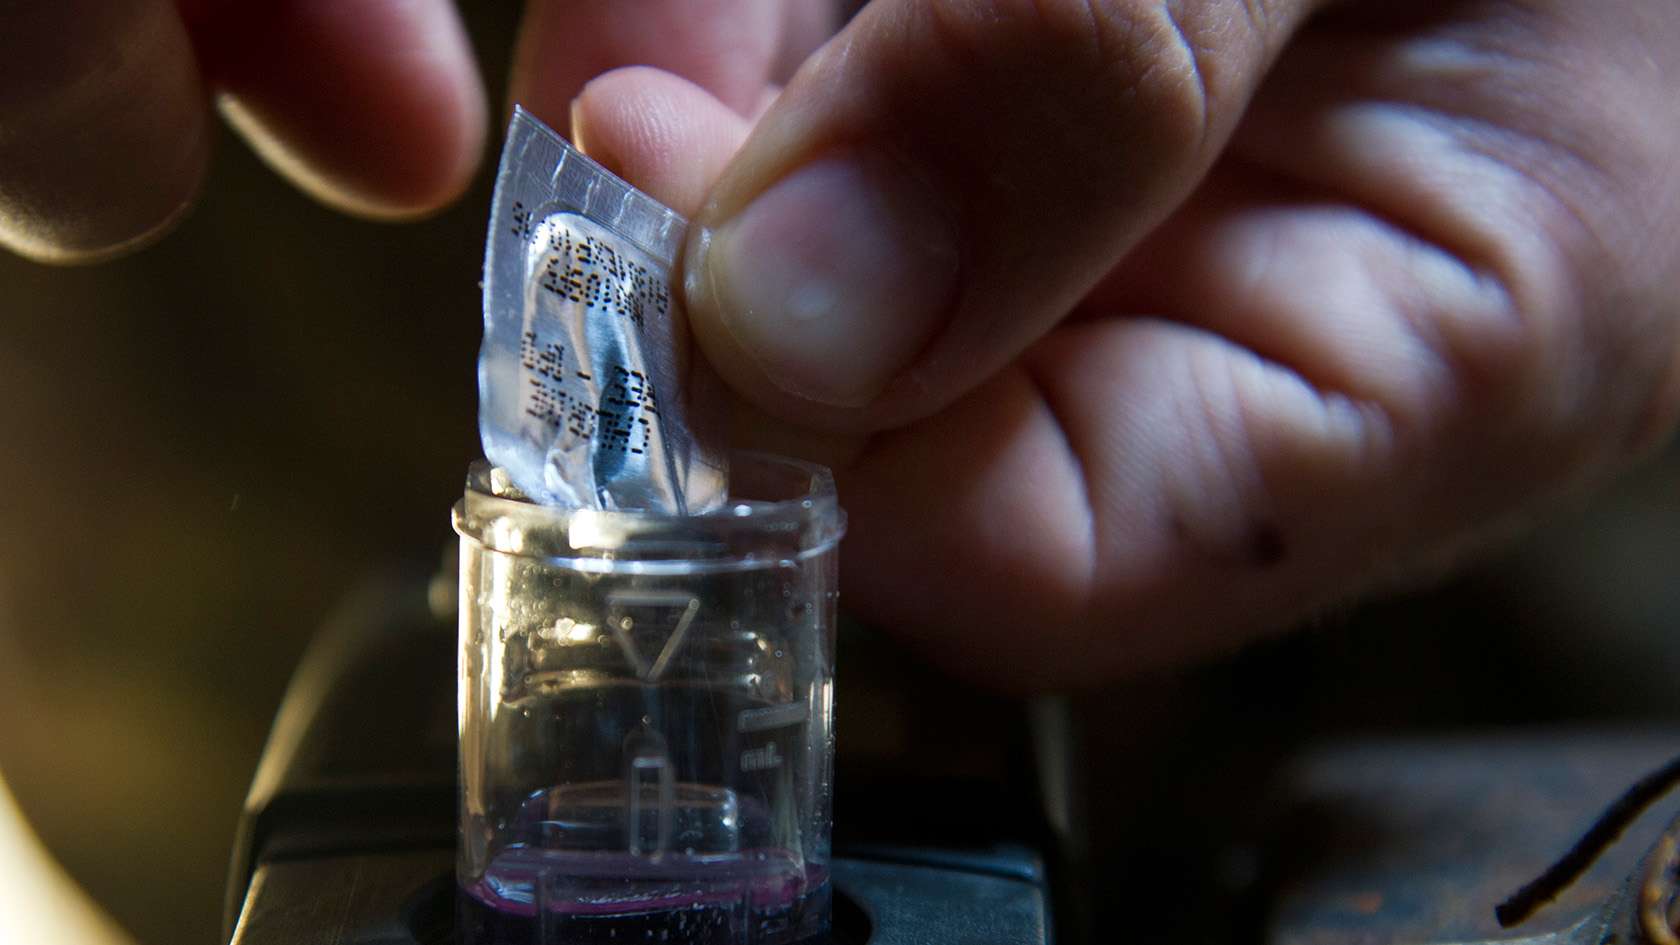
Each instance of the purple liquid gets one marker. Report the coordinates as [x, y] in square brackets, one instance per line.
[666, 819]
[537, 897]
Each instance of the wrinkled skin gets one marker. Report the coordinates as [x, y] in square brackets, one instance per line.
[1187, 319]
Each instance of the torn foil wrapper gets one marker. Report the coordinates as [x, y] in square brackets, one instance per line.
[585, 370]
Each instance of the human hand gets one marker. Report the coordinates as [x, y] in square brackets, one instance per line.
[1142, 328]
[1133, 329]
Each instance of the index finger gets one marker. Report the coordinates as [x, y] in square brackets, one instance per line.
[730, 48]
[103, 137]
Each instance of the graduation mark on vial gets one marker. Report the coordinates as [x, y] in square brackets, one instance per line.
[772, 717]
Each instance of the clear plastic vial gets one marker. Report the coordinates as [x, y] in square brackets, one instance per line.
[646, 715]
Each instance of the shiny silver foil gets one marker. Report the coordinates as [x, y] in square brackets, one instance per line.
[585, 372]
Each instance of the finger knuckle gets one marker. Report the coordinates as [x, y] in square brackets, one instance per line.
[1109, 62]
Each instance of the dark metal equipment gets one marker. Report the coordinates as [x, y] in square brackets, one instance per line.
[1417, 842]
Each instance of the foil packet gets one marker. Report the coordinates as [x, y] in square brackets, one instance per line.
[585, 374]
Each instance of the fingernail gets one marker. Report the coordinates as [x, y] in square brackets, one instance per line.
[575, 119]
[834, 278]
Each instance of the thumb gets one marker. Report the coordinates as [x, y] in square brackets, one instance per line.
[944, 180]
